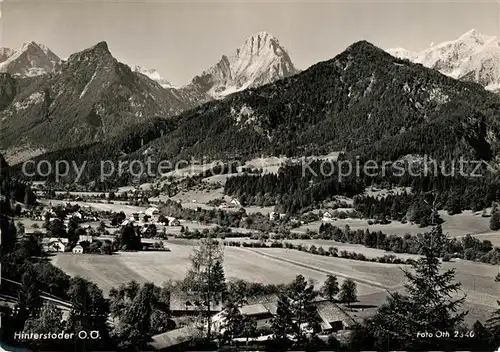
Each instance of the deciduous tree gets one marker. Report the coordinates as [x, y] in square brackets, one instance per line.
[348, 292]
[330, 288]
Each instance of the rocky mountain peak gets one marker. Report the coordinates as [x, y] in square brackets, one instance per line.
[473, 56]
[100, 50]
[30, 59]
[259, 61]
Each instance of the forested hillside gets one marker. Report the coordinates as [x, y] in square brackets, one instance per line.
[364, 102]
[360, 98]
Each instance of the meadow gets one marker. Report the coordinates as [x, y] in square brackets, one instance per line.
[274, 266]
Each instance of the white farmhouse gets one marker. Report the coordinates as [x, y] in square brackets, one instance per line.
[78, 249]
[152, 211]
[327, 216]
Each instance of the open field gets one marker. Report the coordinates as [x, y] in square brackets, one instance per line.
[221, 179]
[267, 164]
[477, 279]
[494, 237]
[197, 199]
[247, 264]
[116, 207]
[367, 252]
[455, 226]
[276, 266]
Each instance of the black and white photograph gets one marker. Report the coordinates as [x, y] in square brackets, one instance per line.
[249, 175]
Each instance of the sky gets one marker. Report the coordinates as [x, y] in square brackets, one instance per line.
[183, 38]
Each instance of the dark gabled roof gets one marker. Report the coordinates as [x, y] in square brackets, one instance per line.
[175, 337]
[255, 309]
[330, 312]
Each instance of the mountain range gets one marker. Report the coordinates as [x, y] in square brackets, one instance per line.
[259, 61]
[254, 101]
[472, 57]
[87, 98]
[91, 96]
[364, 101]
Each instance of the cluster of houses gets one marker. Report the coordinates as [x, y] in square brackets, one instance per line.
[262, 310]
[83, 214]
[56, 244]
[150, 215]
[333, 317]
[276, 216]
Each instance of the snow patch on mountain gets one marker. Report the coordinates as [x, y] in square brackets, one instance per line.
[259, 61]
[35, 98]
[154, 75]
[87, 85]
[472, 57]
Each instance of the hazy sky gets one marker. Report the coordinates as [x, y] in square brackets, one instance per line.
[182, 38]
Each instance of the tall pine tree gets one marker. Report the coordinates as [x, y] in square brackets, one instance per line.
[495, 218]
[206, 277]
[427, 306]
[493, 325]
[282, 323]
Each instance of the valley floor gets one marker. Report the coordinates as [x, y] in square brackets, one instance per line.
[274, 266]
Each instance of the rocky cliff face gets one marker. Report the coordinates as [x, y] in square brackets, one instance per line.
[259, 61]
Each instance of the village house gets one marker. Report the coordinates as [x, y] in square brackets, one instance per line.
[235, 202]
[128, 221]
[333, 317]
[54, 244]
[152, 211]
[77, 215]
[78, 249]
[275, 216]
[261, 313]
[84, 238]
[175, 222]
[327, 216]
[177, 339]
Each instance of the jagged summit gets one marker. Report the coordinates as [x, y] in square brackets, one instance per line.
[30, 59]
[260, 60]
[473, 57]
[261, 41]
[100, 49]
[101, 46]
[470, 33]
